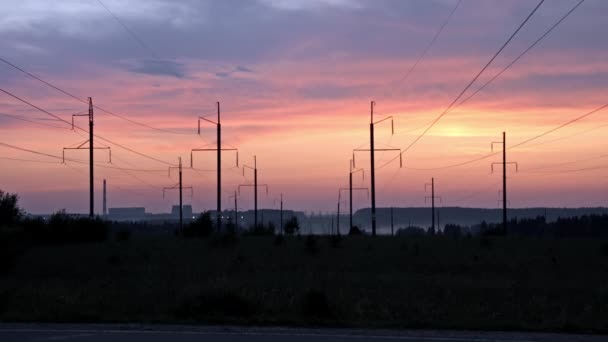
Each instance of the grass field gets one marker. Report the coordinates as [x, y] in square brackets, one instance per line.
[469, 283]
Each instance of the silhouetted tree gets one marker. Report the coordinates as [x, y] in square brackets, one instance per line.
[202, 226]
[292, 226]
[10, 213]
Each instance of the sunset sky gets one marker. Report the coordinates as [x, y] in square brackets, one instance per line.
[295, 79]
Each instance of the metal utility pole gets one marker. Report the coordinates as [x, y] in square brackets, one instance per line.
[504, 178]
[105, 205]
[255, 188]
[91, 168]
[350, 187]
[91, 155]
[180, 187]
[236, 208]
[338, 220]
[181, 206]
[218, 150]
[392, 223]
[432, 197]
[372, 150]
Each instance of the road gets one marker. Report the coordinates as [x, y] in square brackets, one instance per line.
[154, 333]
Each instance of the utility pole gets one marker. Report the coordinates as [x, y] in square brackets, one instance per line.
[105, 205]
[255, 188]
[91, 155]
[281, 213]
[91, 160]
[218, 150]
[180, 187]
[432, 197]
[350, 193]
[350, 187]
[181, 206]
[504, 178]
[236, 207]
[372, 150]
[392, 223]
[338, 220]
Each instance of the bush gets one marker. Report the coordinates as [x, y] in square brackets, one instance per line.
[201, 227]
[355, 230]
[292, 226]
[62, 228]
[411, 231]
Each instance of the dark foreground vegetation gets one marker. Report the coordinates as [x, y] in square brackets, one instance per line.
[200, 276]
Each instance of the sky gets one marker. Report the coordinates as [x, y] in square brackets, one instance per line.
[295, 79]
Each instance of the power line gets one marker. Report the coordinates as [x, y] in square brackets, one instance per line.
[522, 54]
[30, 160]
[129, 31]
[514, 146]
[85, 102]
[428, 47]
[82, 129]
[471, 82]
[17, 117]
[559, 127]
[74, 160]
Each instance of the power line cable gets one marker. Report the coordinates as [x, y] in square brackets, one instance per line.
[85, 102]
[431, 43]
[82, 129]
[521, 55]
[504, 45]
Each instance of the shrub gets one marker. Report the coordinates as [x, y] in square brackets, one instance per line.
[62, 228]
[355, 230]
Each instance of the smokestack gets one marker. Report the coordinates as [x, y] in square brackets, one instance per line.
[105, 206]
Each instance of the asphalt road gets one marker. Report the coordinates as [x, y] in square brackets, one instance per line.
[120, 333]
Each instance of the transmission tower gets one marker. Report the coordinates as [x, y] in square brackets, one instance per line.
[432, 198]
[255, 188]
[218, 150]
[372, 150]
[504, 177]
[180, 187]
[91, 148]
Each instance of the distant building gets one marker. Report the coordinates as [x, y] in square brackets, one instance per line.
[187, 211]
[127, 214]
